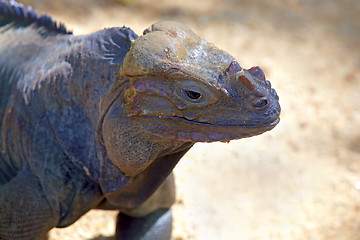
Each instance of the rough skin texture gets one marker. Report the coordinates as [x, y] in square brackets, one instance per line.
[100, 120]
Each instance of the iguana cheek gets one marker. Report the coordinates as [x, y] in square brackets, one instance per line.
[194, 136]
[140, 86]
[199, 137]
[129, 96]
[183, 136]
[190, 116]
[216, 136]
[134, 111]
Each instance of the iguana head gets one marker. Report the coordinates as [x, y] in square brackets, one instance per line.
[175, 89]
[185, 88]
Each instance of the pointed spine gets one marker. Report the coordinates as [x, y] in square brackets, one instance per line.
[14, 12]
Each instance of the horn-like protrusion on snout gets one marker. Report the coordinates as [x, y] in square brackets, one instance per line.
[233, 67]
[248, 83]
[257, 72]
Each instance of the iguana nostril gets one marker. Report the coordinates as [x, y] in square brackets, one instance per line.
[260, 103]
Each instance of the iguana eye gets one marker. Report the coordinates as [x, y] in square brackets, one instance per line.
[192, 95]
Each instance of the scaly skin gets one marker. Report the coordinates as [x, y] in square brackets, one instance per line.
[100, 120]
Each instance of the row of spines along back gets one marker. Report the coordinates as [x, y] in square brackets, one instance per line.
[14, 12]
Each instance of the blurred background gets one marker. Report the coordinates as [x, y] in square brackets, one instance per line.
[299, 181]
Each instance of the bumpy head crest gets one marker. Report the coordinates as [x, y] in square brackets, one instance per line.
[169, 46]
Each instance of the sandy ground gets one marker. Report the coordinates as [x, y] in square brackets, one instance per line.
[299, 181]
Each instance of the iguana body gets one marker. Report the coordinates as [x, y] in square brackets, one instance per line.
[100, 120]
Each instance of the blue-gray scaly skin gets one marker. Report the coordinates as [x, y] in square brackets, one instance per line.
[100, 120]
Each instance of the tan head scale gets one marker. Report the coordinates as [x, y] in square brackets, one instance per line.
[169, 46]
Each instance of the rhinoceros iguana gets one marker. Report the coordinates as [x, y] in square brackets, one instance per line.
[100, 120]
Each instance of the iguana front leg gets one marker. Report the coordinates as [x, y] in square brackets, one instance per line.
[25, 211]
[152, 220]
[155, 226]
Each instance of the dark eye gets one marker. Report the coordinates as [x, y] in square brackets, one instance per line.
[193, 95]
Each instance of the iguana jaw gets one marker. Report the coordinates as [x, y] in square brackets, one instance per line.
[194, 131]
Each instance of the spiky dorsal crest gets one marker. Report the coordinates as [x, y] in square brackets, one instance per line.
[15, 15]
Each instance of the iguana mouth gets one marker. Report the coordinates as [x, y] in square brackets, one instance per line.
[270, 122]
[195, 131]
